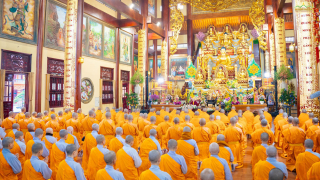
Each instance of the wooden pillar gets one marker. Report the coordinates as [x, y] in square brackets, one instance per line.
[42, 9]
[144, 13]
[166, 27]
[77, 95]
[296, 55]
[155, 59]
[190, 32]
[117, 67]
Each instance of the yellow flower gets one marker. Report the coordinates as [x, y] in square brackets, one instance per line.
[192, 71]
[254, 69]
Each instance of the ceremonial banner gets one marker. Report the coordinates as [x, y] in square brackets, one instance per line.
[141, 58]
[272, 55]
[280, 42]
[164, 60]
[307, 62]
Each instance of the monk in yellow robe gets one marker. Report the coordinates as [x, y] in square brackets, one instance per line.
[188, 148]
[15, 128]
[267, 115]
[313, 172]
[9, 169]
[131, 129]
[87, 123]
[308, 123]
[303, 117]
[277, 130]
[151, 113]
[224, 150]
[255, 136]
[57, 153]
[61, 120]
[259, 152]
[187, 123]
[113, 113]
[24, 123]
[52, 111]
[49, 140]
[295, 137]
[146, 146]
[46, 116]
[278, 117]
[39, 123]
[147, 129]
[162, 128]
[34, 116]
[122, 119]
[221, 124]
[19, 148]
[119, 114]
[185, 113]
[250, 118]
[311, 132]
[204, 114]
[8, 122]
[21, 115]
[88, 144]
[80, 115]
[137, 117]
[225, 119]
[218, 165]
[202, 136]
[196, 118]
[172, 163]
[74, 122]
[117, 142]
[176, 115]
[135, 113]
[154, 158]
[98, 114]
[37, 139]
[232, 113]
[262, 168]
[305, 160]
[174, 132]
[160, 119]
[30, 134]
[109, 173]
[214, 128]
[216, 112]
[69, 169]
[164, 112]
[258, 125]
[141, 124]
[107, 128]
[258, 118]
[96, 158]
[53, 123]
[282, 142]
[234, 138]
[132, 162]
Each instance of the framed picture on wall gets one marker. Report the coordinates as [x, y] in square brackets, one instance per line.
[87, 90]
[109, 43]
[291, 61]
[19, 20]
[178, 66]
[95, 38]
[152, 7]
[125, 48]
[135, 63]
[84, 35]
[136, 5]
[151, 67]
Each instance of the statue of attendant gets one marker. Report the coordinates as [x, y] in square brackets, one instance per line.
[240, 99]
[256, 97]
[270, 99]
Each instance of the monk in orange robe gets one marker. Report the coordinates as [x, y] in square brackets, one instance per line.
[146, 146]
[232, 113]
[176, 115]
[69, 169]
[113, 113]
[234, 138]
[258, 118]
[8, 122]
[151, 113]
[119, 114]
[117, 142]
[15, 128]
[311, 132]
[37, 139]
[160, 119]
[221, 124]
[258, 125]
[255, 136]
[224, 150]
[204, 114]
[308, 123]
[87, 122]
[295, 137]
[61, 120]
[98, 114]
[188, 148]
[174, 132]
[202, 136]
[30, 134]
[147, 129]
[278, 117]
[250, 118]
[218, 165]
[207, 174]
[260, 152]
[137, 117]
[34, 116]
[277, 130]
[39, 122]
[88, 144]
[19, 148]
[196, 118]
[225, 119]
[131, 129]
[154, 158]
[172, 163]
[9, 170]
[216, 112]
[187, 123]
[262, 168]
[132, 162]
[163, 128]
[46, 116]
[49, 140]
[21, 115]
[164, 112]
[80, 115]
[75, 123]
[107, 128]
[53, 123]
[267, 115]
[303, 117]
[96, 158]
[141, 124]
[108, 171]
[24, 123]
[305, 160]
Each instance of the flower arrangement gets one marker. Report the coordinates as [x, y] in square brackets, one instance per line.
[154, 98]
[283, 73]
[261, 97]
[235, 103]
[228, 103]
[288, 97]
[249, 96]
[232, 84]
[137, 78]
[132, 99]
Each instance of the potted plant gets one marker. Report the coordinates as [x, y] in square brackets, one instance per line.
[132, 100]
[154, 98]
[250, 98]
[136, 80]
[261, 99]
[283, 74]
[287, 97]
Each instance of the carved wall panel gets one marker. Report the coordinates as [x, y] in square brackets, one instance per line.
[15, 61]
[55, 67]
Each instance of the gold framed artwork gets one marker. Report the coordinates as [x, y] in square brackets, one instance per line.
[125, 48]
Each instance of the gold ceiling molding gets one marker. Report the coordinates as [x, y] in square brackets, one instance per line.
[176, 21]
[209, 5]
[257, 17]
[239, 6]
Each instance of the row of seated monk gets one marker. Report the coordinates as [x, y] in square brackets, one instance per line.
[163, 145]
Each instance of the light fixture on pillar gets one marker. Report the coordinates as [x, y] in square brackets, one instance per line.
[267, 75]
[291, 47]
[131, 5]
[160, 80]
[158, 23]
[81, 60]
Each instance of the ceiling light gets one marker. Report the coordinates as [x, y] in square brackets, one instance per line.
[158, 23]
[131, 5]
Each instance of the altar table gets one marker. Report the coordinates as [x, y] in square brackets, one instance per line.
[158, 107]
[253, 107]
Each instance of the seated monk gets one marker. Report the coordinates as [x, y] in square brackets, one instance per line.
[258, 117]
[225, 119]
[234, 138]
[57, 153]
[87, 122]
[151, 113]
[72, 139]
[268, 116]
[305, 160]
[276, 174]
[117, 142]
[278, 117]
[34, 168]
[69, 169]
[258, 125]
[255, 136]
[224, 150]
[37, 139]
[202, 136]
[303, 117]
[294, 137]
[172, 163]
[52, 111]
[88, 144]
[30, 134]
[132, 162]
[176, 115]
[53, 123]
[259, 152]
[80, 115]
[2, 131]
[109, 173]
[187, 123]
[310, 133]
[262, 168]
[61, 120]
[75, 123]
[218, 165]
[216, 112]
[15, 128]
[195, 119]
[142, 122]
[24, 123]
[207, 174]
[154, 171]
[313, 172]
[147, 129]
[46, 116]
[232, 113]
[21, 115]
[131, 129]
[221, 124]
[8, 122]
[174, 132]
[278, 130]
[188, 148]
[10, 165]
[98, 114]
[96, 161]
[19, 148]
[39, 122]
[160, 119]
[250, 118]
[146, 146]
[163, 127]
[107, 128]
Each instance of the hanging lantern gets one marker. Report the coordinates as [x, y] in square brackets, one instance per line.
[81, 60]
[291, 47]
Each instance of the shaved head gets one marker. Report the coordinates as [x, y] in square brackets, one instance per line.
[271, 151]
[186, 129]
[197, 113]
[172, 144]
[166, 118]
[214, 149]
[264, 137]
[95, 127]
[207, 174]
[262, 117]
[30, 127]
[153, 132]
[295, 122]
[176, 120]
[154, 156]
[38, 132]
[285, 115]
[100, 139]
[304, 111]
[15, 126]
[108, 115]
[36, 147]
[315, 121]
[290, 119]
[248, 108]
[281, 111]
[63, 133]
[18, 134]
[70, 129]
[220, 137]
[110, 157]
[308, 143]
[276, 174]
[153, 119]
[70, 149]
[311, 115]
[202, 122]
[187, 118]
[211, 117]
[49, 130]
[129, 139]
[7, 141]
[264, 122]
[233, 120]
[119, 130]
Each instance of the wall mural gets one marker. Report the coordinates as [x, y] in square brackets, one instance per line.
[87, 90]
[109, 43]
[95, 36]
[19, 20]
[135, 63]
[84, 35]
[178, 66]
[151, 7]
[125, 48]
[291, 61]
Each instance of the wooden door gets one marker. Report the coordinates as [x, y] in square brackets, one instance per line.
[8, 94]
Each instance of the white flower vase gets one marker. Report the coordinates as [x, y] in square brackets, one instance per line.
[137, 90]
[284, 85]
[155, 103]
[261, 102]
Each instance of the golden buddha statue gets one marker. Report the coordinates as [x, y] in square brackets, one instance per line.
[244, 45]
[243, 60]
[199, 76]
[212, 34]
[242, 75]
[226, 41]
[224, 59]
[220, 74]
[243, 32]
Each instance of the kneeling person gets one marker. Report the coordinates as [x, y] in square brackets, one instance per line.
[154, 172]
[109, 173]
